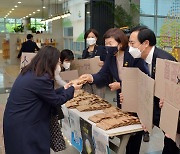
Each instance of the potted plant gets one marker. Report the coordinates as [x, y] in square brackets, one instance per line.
[33, 29]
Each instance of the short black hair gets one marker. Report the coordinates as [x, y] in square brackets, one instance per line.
[89, 31]
[66, 54]
[29, 36]
[145, 34]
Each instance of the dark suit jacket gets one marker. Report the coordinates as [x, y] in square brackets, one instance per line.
[98, 51]
[27, 114]
[158, 53]
[110, 69]
[28, 46]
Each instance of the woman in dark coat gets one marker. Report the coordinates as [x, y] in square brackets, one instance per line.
[32, 99]
[117, 46]
[93, 50]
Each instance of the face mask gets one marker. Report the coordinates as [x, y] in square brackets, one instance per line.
[58, 70]
[112, 50]
[66, 65]
[135, 52]
[91, 41]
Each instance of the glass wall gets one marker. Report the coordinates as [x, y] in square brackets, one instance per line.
[163, 17]
[36, 22]
[154, 12]
[8, 25]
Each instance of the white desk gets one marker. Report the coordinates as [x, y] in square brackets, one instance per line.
[123, 133]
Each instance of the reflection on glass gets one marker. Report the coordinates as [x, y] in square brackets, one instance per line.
[147, 21]
[160, 22]
[147, 7]
[166, 6]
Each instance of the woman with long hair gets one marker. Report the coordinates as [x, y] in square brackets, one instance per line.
[30, 104]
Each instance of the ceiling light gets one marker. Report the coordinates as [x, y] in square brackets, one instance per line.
[26, 16]
[19, 2]
[38, 10]
[15, 6]
[44, 7]
[34, 12]
[12, 9]
[30, 14]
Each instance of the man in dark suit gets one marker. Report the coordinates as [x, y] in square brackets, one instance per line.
[142, 44]
[28, 46]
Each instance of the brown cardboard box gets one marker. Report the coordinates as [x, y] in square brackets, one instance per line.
[167, 86]
[167, 81]
[69, 75]
[86, 66]
[26, 58]
[138, 93]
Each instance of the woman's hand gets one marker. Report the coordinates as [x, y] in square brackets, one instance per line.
[161, 102]
[101, 63]
[66, 86]
[121, 98]
[114, 86]
[87, 77]
[77, 86]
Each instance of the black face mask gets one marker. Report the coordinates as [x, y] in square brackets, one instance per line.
[111, 50]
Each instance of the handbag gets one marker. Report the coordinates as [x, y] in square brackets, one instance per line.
[57, 142]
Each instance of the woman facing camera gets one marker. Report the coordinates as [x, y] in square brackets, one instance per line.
[118, 57]
[94, 50]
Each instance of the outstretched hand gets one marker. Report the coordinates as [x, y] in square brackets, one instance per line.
[87, 77]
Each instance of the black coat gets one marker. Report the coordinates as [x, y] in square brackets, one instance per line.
[158, 53]
[110, 69]
[28, 46]
[98, 51]
[27, 114]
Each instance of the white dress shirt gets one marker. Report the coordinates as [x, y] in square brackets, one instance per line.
[149, 59]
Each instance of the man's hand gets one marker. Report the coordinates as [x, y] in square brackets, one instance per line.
[101, 63]
[161, 102]
[121, 98]
[87, 77]
[114, 86]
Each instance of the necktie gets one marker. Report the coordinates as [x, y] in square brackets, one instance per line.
[147, 69]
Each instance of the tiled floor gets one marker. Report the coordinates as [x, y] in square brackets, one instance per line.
[8, 74]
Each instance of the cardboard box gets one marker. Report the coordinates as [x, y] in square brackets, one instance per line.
[167, 87]
[69, 75]
[26, 58]
[138, 93]
[86, 66]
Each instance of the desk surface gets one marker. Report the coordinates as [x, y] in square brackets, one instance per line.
[112, 132]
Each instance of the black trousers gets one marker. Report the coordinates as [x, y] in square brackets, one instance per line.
[170, 147]
[134, 143]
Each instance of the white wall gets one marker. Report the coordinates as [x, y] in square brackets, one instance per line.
[57, 32]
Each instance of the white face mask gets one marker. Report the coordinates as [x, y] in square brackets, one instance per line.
[135, 52]
[91, 41]
[57, 71]
[66, 65]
